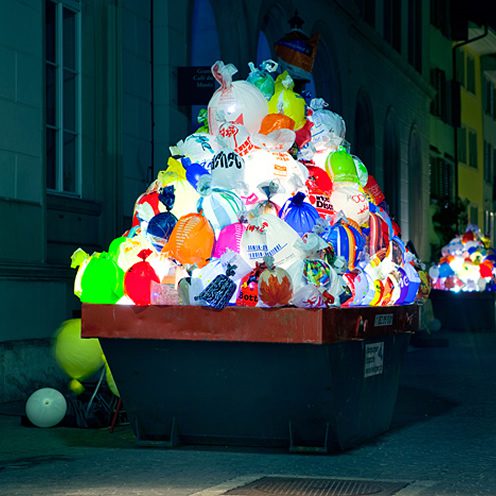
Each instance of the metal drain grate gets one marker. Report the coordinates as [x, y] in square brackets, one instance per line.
[303, 486]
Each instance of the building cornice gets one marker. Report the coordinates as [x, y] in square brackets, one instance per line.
[18, 271]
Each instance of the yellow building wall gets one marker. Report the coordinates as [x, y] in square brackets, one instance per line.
[470, 179]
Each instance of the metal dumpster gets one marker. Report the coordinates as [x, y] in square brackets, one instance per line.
[307, 380]
[464, 311]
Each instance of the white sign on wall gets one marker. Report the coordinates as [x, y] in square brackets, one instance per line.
[374, 359]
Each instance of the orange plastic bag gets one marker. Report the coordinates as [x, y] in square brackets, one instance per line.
[272, 122]
[191, 240]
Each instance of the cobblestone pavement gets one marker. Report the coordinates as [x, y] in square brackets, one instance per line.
[442, 441]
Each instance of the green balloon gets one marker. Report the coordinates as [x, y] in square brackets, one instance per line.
[102, 280]
[79, 358]
[341, 167]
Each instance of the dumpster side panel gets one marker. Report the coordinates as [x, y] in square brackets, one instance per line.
[256, 394]
[228, 393]
[365, 395]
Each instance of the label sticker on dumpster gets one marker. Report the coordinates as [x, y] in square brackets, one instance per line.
[374, 359]
[383, 319]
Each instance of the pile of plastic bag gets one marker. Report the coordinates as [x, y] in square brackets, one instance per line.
[263, 206]
[467, 263]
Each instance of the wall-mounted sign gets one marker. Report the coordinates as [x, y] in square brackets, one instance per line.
[195, 85]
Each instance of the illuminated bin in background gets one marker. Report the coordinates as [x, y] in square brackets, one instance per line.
[306, 380]
[464, 311]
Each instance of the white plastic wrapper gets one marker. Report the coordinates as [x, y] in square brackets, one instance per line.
[269, 235]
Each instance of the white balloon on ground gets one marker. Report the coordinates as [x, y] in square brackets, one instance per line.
[46, 407]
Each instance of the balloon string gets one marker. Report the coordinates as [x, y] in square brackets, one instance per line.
[90, 403]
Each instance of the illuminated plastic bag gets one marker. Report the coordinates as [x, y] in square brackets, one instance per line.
[220, 206]
[269, 235]
[310, 296]
[275, 288]
[193, 171]
[239, 101]
[248, 288]
[160, 226]
[228, 172]
[362, 172]
[357, 284]
[261, 77]
[201, 278]
[218, 293]
[273, 122]
[148, 204]
[374, 191]
[319, 191]
[202, 119]
[269, 190]
[286, 101]
[163, 294]
[129, 250]
[318, 180]
[299, 214]
[234, 137]
[347, 241]
[200, 148]
[229, 238]
[350, 199]
[378, 232]
[99, 279]
[273, 162]
[191, 241]
[186, 195]
[341, 167]
[138, 279]
[329, 128]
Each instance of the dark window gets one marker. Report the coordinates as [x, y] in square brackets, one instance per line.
[415, 34]
[494, 174]
[442, 178]
[486, 95]
[473, 214]
[488, 162]
[493, 101]
[470, 74]
[462, 144]
[440, 16]
[460, 66]
[439, 104]
[62, 98]
[472, 148]
[392, 23]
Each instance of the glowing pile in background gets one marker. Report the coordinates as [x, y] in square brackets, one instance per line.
[262, 206]
[467, 264]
